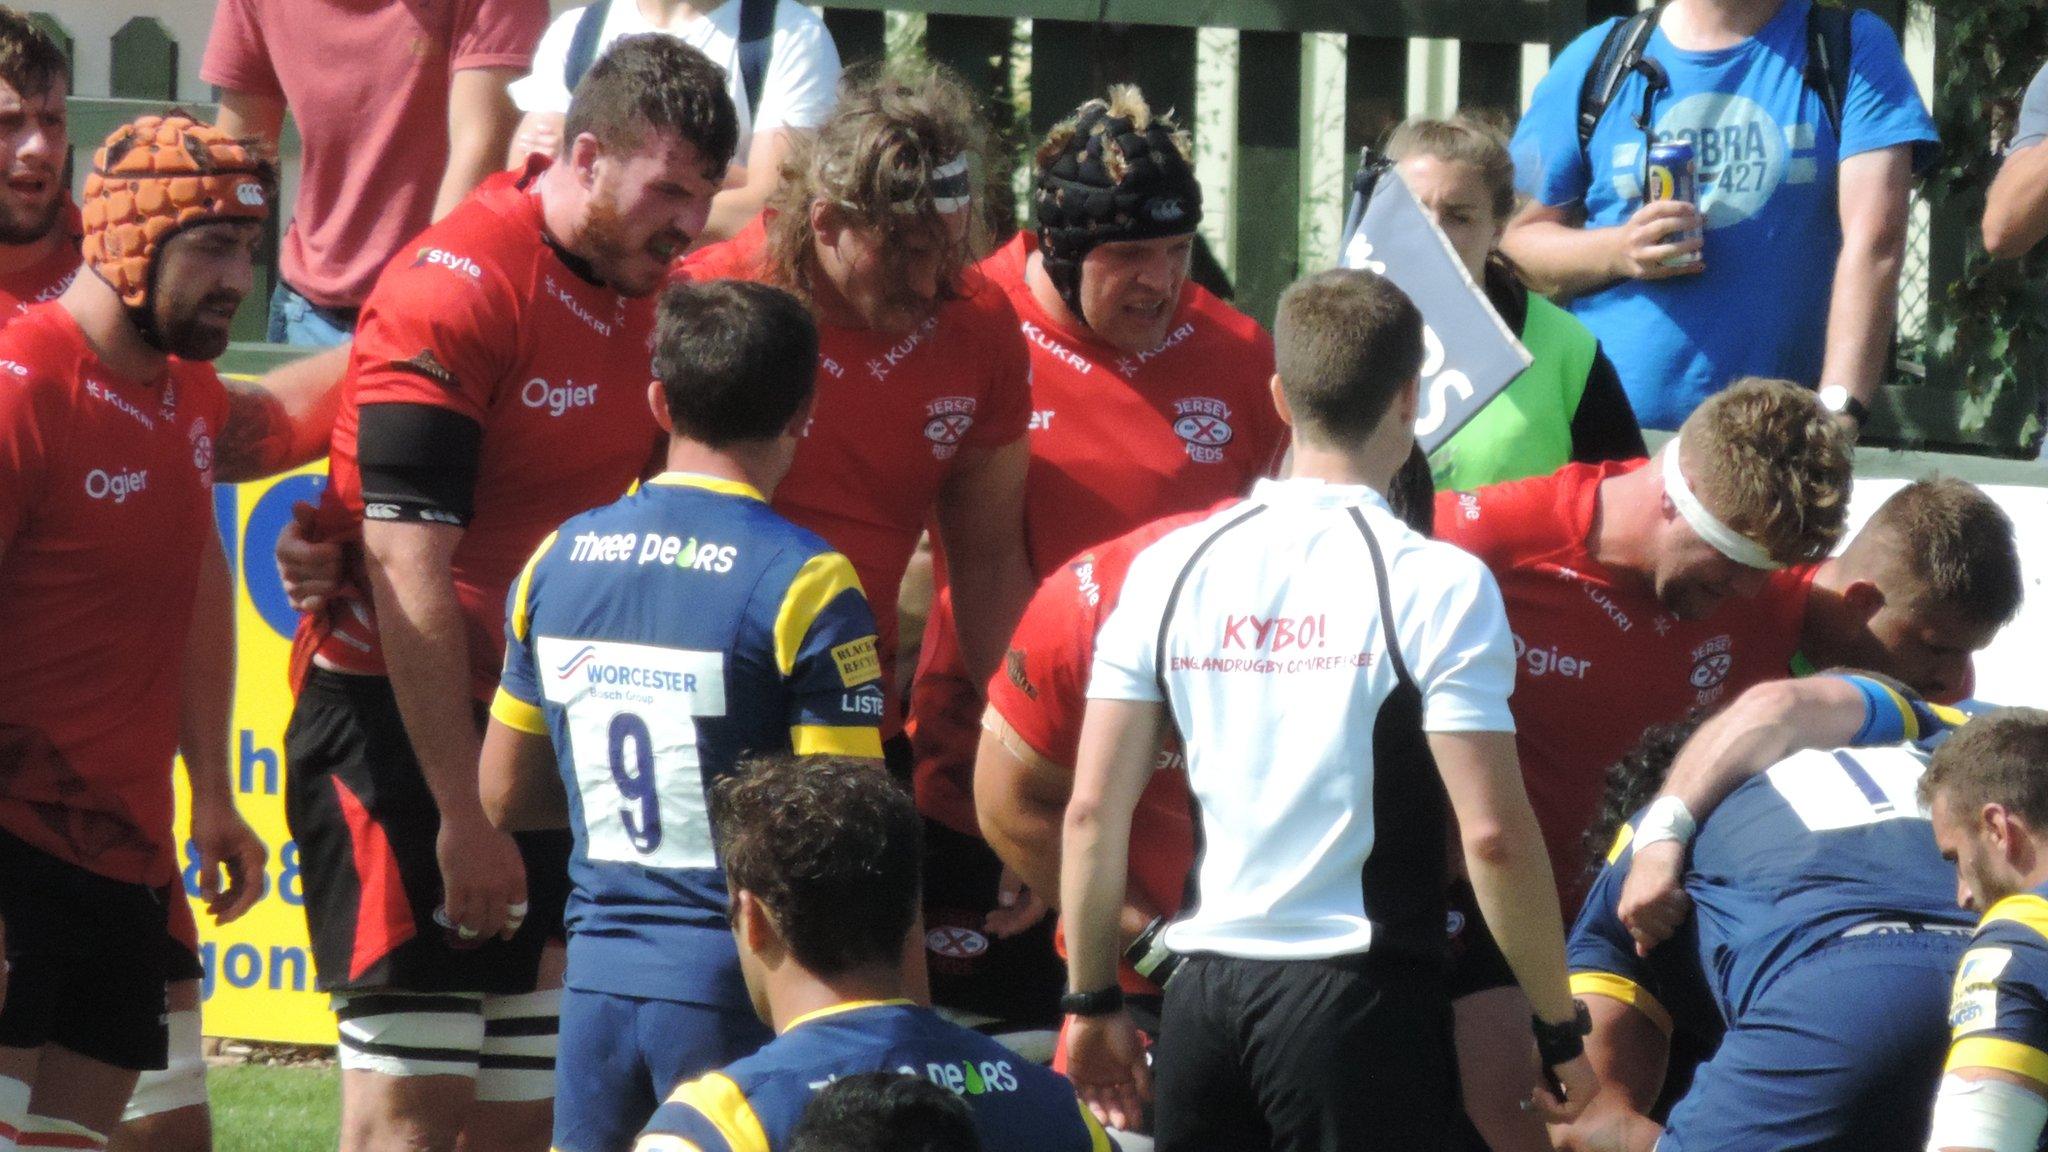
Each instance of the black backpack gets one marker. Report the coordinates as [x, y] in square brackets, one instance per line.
[1827, 67]
[757, 45]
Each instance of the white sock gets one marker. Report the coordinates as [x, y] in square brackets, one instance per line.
[50, 1132]
[13, 1111]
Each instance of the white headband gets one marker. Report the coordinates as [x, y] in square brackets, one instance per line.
[1725, 540]
[950, 189]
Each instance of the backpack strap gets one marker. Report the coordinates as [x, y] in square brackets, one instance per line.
[1827, 59]
[1618, 56]
[757, 47]
[583, 45]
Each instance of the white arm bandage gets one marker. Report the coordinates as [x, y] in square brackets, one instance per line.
[1988, 1114]
[1667, 818]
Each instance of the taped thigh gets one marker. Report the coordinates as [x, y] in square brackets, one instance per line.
[521, 1035]
[182, 1084]
[410, 1033]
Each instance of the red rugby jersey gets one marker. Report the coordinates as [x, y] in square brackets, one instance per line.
[1042, 690]
[889, 418]
[480, 315]
[1116, 439]
[47, 278]
[1599, 660]
[105, 505]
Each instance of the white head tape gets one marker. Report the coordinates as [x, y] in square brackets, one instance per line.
[1725, 540]
[950, 189]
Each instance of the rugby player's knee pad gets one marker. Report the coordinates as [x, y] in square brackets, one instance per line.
[410, 1033]
[1986, 1114]
[182, 1084]
[50, 1132]
[517, 1060]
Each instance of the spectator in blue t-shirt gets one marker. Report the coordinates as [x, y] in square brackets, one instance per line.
[1804, 225]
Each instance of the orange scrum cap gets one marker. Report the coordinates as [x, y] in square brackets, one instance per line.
[156, 176]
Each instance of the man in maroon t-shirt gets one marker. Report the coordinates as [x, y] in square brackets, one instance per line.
[403, 111]
[496, 387]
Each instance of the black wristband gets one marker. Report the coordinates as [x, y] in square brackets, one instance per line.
[1102, 1002]
[1562, 1043]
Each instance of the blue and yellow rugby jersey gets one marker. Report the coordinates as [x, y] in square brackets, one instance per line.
[754, 1104]
[656, 641]
[1999, 1009]
[1821, 842]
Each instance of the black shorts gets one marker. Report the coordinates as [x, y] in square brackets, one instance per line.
[90, 957]
[1304, 1056]
[1017, 981]
[366, 827]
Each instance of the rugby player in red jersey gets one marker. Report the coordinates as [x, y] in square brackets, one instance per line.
[39, 226]
[1149, 396]
[116, 634]
[496, 387]
[924, 389]
[1622, 583]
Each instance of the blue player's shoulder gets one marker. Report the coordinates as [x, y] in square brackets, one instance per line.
[2020, 920]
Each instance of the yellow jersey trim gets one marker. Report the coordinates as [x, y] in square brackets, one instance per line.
[819, 582]
[1625, 990]
[1623, 836]
[826, 740]
[709, 484]
[520, 618]
[720, 1101]
[1098, 1140]
[2025, 908]
[517, 714]
[2003, 1055]
[848, 1006]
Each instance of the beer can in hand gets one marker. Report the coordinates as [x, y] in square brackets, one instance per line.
[1674, 174]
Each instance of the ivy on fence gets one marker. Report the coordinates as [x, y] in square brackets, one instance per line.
[1987, 331]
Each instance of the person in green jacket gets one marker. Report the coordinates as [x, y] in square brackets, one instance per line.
[1566, 406]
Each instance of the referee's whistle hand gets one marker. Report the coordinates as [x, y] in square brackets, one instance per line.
[1106, 1062]
[1580, 1086]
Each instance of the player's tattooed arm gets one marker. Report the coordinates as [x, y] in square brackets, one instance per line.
[280, 421]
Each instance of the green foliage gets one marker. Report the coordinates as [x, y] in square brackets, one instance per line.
[1988, 326]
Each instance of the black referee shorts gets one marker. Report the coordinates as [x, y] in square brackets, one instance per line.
[1304, 1056]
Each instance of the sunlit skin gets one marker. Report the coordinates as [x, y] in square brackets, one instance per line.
[33, 142]
[1927, 645]
[1984, 873]
[202, 274]
[885, 280]
[1693, 580]
[1457, 198]
[644, 208]
[1130, 289]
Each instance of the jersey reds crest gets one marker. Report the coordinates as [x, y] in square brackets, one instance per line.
[1711, 663]
[202, 450]
[1203, 424]
[948, 420]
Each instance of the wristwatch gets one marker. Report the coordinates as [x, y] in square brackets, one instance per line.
[1562, 1043]
[1836, 399]
[1101, 1002]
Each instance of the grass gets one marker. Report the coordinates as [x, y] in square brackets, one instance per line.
[257, 1108]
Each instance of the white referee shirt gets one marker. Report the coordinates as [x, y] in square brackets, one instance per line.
[1277, 672]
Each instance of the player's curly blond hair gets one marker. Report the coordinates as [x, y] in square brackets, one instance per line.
[895, 125]
[1773, 464]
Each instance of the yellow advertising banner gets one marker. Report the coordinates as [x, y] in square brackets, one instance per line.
[259, 970]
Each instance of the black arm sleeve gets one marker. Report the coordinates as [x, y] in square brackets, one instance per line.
[1604, 427]
[418, 462]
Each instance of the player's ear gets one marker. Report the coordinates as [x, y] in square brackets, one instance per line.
[583, 154]
[827, 221]
[750, 922]
[800, 419]
[657, 402]
[1280, 400]
[1408, 400]
[1863, 598]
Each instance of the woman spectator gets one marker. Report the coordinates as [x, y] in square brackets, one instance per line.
[1566, 406]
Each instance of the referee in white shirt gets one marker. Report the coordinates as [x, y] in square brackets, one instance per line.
[1334, 676]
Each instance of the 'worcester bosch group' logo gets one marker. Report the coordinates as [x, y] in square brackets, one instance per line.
[947, 420]
[1203, 424]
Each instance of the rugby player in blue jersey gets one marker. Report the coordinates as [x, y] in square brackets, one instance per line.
[822, 858]
[1988, 792]
[650, 644]
[1821, 936]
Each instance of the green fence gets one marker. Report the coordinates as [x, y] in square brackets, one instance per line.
[1036, 59]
